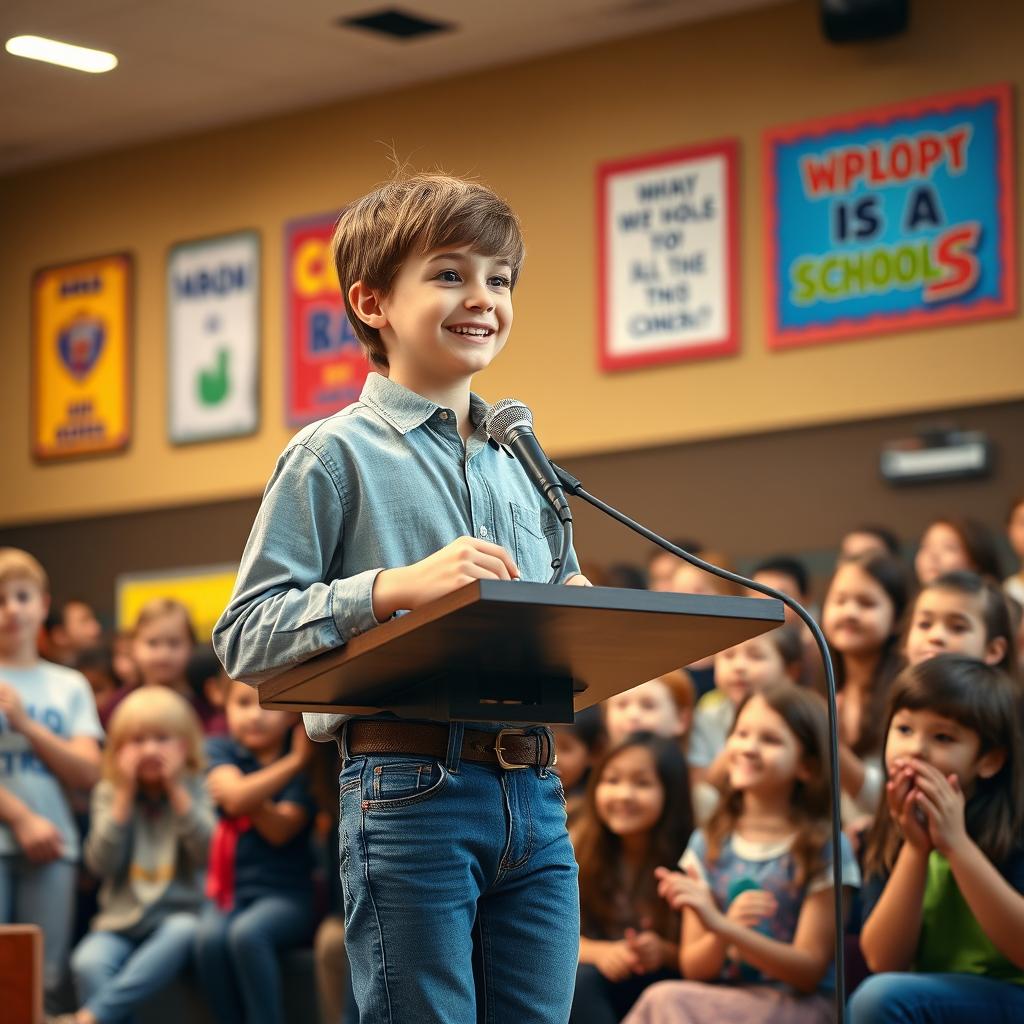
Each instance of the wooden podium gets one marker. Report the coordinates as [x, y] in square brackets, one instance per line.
[518, 652]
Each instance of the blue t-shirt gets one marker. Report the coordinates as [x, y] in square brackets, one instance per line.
[61, 699]
[743, 864]
[261, 867]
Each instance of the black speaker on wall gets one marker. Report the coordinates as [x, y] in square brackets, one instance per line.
[851, 21]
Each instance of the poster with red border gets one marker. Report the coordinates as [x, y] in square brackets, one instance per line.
[667, 233]
[901, 217]
[325, 367]
[81, 400]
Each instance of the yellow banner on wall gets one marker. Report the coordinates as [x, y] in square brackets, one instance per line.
[81, 357]
[204, 591]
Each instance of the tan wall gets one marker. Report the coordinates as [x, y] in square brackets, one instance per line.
[535, 132]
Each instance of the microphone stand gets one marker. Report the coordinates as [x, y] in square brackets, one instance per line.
[573, 486]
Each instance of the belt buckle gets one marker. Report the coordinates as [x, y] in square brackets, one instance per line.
[499, 749]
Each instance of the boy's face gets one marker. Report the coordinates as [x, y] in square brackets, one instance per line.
[257, 728]
[447, 316]
[23, 608]
[648, 707]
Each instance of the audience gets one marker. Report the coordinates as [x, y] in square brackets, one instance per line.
[938, 780]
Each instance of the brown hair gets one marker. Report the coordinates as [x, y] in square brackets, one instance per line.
[599, 850]
[377, 233]
[163, 607]
[16, 564]
[978, 541]
[680, 686]
[810, 802]
[157, 708]
[987, 701]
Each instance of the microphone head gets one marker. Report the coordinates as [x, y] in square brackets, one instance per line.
[504, 417]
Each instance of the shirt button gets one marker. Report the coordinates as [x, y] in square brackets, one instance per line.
[444, 414]
[482, 531]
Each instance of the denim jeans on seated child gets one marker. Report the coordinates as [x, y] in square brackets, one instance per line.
[237, 955]
[461, 899]
[935, 999]
[115, 974]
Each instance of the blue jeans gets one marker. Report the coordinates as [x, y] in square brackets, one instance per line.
[43, 895]
[237, 955]
[461, 902]
[114, 974]
[936, 999]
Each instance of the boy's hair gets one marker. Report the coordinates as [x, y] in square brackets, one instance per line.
[376, 234]
[787, 642]
[786, 565]
[985, 700]
[679, 684]
[995, 609]
[806, 717]
[599, 851]
[157, 708]
[883, 533]
[162, 607]
[1014, 505]
[16, 564]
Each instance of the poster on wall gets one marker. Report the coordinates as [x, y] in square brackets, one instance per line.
[213, 337]
[667, 256]
[81, 358]
[888, 219]
[204, 590]
[325, 365]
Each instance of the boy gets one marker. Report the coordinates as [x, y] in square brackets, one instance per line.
[458, 876]
[49, 736]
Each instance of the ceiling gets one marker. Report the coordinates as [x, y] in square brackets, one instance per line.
[189, 65]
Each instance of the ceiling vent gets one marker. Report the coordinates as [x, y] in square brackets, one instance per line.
[396, 24]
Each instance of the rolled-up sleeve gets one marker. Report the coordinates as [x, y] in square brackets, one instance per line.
[285, 608]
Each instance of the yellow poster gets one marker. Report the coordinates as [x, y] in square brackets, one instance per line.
[204, 591]
[81, 358]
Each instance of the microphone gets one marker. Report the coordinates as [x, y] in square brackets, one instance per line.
[510, 424]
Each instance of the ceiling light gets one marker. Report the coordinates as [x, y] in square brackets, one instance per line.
[80, 58]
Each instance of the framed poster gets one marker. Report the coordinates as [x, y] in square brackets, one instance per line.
[213, 337]
[81, 358]
[325, 366]
[667, 256]
[203, 590]
[889, 219]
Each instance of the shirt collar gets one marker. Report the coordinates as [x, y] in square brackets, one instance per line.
[405, 410]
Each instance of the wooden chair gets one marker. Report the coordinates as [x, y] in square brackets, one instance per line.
[21, 974]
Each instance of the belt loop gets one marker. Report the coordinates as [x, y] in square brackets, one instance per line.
[455, 733]
[342, 738]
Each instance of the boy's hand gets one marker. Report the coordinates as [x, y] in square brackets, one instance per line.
[11, 706]
[39, 839]
[463, 561]
[579, 580]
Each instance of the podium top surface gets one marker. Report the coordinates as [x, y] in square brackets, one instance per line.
[498, 633]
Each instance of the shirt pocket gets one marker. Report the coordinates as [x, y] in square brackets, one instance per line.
[537, 537]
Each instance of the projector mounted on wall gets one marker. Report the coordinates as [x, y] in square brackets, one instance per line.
[937, 454]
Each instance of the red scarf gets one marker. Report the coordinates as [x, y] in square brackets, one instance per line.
[220, 873]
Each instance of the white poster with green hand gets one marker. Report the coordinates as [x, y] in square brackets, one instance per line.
[213, 343]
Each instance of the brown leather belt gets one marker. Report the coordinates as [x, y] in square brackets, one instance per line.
[509, 748]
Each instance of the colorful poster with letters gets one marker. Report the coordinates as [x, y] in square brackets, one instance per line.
[203, 590]
[81, 358]
[889, 219]
[213, 337]
[325, 365]
[667, 256]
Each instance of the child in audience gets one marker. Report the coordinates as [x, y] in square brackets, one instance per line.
[208, 683]
[637, 818]
[772, 657]
[688, 579]
[49, 735]
[578, 747]
[151, 822]
[756, 884]
[1014, 584]
[260, 860]
[73, 630]
[951, 544]
[663, 706]
[945, 861]
[867, 540]
[861, 621]
[662, 564]
[962, 613]
[126, 672]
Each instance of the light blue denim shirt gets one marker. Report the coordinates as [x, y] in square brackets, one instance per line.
[383, 483]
